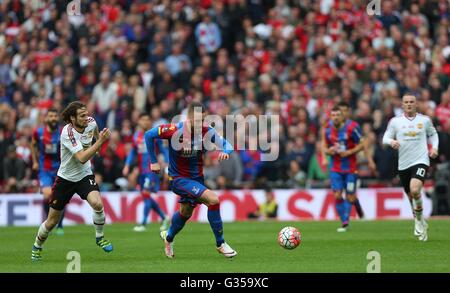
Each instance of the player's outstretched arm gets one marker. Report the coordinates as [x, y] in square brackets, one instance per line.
[224, 145]
[85, 155]
[164, 131]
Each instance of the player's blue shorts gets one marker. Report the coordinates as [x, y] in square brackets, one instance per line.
[340, 181]
[188, 189]
[149, 182]
[46, 178]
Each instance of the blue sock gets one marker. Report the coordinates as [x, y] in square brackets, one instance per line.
[341, 208]
[215, 221]
[177, 224]
[156, 207]
[348, 209]
[147, 208]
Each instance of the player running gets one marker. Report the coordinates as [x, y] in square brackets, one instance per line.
[342, 142]
[45, 146]
[409, 133]
[75, 174]
[148, 181]
[187, 141]
[345, 109]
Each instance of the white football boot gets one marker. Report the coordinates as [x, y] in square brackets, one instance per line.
[226, 250]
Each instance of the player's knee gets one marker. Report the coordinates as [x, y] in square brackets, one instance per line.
[97, 205]
[338, 195]
[415, 192]
[213, 200]
[351, 198]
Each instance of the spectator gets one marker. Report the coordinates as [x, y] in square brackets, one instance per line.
[268, 209]
[13, 170]
[208, 34]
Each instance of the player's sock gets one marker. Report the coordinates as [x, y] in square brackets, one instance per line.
[157, 208]
[417, 203]
[147, 208]
[358, 208]
[340, 208]
[41, 236]
[99, 222]
[215, 221]
[348, 209]
[178, 222]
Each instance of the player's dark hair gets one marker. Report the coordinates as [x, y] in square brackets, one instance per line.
[343, 104]
[71, 111]
[52, 110]
[196, 105]
[144, 115]
[335, 108]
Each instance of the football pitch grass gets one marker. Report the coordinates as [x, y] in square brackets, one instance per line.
[322, 248]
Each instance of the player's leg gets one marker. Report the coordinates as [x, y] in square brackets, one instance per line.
[88, 190]
[43, 232]
[416, 184]
[62, 192]
[337, 185]
[153, 187]
[211, 200]
[350, 192]
[179, 219]
[405, 180]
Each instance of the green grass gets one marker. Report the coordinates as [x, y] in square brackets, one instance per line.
[322, 248]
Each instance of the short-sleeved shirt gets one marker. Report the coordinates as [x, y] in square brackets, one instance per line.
[71, 143]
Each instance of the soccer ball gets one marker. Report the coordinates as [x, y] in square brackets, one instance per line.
[289, 237]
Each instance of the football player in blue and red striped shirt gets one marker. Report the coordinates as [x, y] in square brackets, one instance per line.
[342, 141]
[188, 140]
[45, 152]
[148, 182]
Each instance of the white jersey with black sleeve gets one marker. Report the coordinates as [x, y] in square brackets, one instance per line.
[413, 134]
[72, 142]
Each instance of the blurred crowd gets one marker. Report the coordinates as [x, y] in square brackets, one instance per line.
[295, 59]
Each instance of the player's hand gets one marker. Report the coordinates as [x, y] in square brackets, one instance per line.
[125, 171]
[155, 168]
[223, 157]
[35, 166]
[433, 153]
[104, 135]
[395, 145]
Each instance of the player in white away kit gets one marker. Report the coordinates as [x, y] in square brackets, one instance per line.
[410, 134]
[75, 174]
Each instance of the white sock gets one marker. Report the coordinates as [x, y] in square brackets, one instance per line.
[41, 235]
[417, 203]
[99, 222]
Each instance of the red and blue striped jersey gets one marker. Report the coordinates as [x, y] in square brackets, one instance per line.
[185, 161]
[139, 150]
[48, 144]
[347, 137]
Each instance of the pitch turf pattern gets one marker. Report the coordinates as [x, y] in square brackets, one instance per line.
[322, 248]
